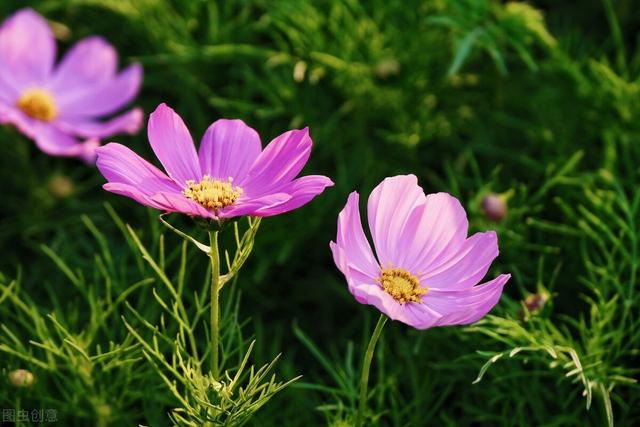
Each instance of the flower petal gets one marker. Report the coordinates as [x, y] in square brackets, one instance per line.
[301, 191]
[466, 306]
[353, 242]
[420, 316]
[390, 206]
[119, 164]
[279, 163]
[435, 232]
[172, 143]
[55, 142]
[101, 99]
[8, 93]
[132, 193]
[90, 62]
[228, 149]
[48, 137]
[465, 267]
[129, 122]
[364, 288]
[27, 50]
[176, 202]
[374, 295]
[24, 123]
[254, 206]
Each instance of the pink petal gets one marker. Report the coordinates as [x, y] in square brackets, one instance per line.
[420, 316]
[101, 99]
[466, 267]
[89, 150]
[390, 206]
[301, 191]
[280, 162]
[118, 164]
[55, 142]
[132, 193]
[129, 122]
[340, 260]
[435, 232]
[8, 93]
[27, 50]
[353, 242]
[25, 124]
[364, 288]
[466, 306]
[374, 295]
[172, 143]
[228, 149]
[90, 63]
[254, 206]
[176, 202]
[48, 137]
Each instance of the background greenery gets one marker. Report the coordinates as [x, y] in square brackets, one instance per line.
[539, 102]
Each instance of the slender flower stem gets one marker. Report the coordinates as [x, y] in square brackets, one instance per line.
[214, 257]
[616, 33]
[366, 364]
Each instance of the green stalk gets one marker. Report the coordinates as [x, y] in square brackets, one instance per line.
[214, 257]
[366, 364]
[617, 36]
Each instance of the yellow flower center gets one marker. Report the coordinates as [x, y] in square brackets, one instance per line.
[38, 104]
[212, 193]
[401, 285]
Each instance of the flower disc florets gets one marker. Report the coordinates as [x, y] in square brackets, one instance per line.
[213, 193]
[401, 285]
[38, 104]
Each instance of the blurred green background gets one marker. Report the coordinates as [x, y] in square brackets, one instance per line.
[538, 102]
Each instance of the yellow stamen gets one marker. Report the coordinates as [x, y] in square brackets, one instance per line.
[212, 193]
[401, 285]
[38, 104]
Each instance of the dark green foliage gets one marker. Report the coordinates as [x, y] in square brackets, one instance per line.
[538, 102]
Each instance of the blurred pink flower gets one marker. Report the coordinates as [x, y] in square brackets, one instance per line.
[230, 175]
[426, 269]
[57, 106]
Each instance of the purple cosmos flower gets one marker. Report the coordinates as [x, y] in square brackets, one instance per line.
[58, 106]
[230, 175]
[426, 269]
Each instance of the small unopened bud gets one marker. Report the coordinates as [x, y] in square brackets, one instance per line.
[494, 207]
[299, 71]
[386, 68]
[60, 31]
[61, 186]
[21, 378]
[216, 385]
[533, 304]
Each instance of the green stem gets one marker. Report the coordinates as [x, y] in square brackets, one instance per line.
[214, 257]
[617, 36]
[366, 364]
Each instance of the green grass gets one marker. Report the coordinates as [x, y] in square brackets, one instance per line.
[540, 103]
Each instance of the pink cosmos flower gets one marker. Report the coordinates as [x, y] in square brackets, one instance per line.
[426, 270]
[230, 175]
[57, 106]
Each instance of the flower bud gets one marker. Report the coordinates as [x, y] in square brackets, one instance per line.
[533, 304]
[494, 207]
[61, 186]
[21, 378]
[386, 68]
[299, 71]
